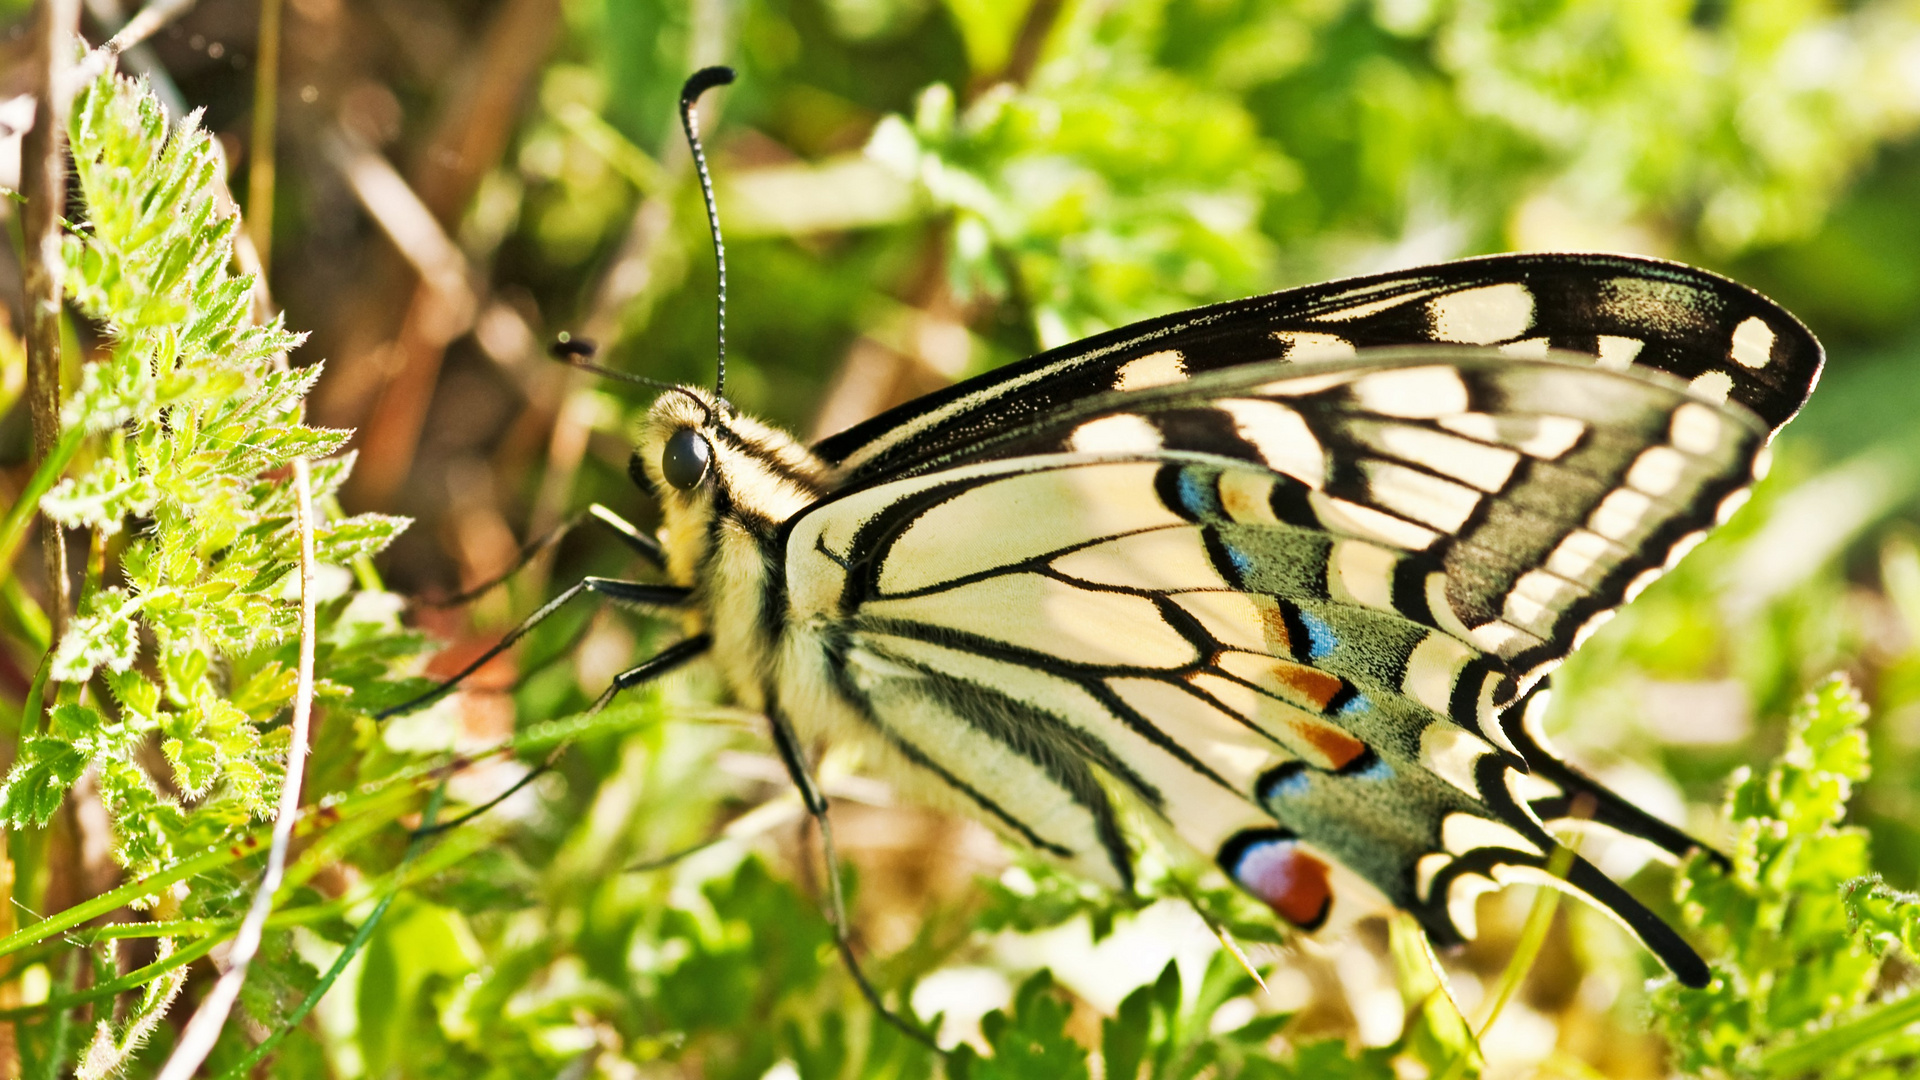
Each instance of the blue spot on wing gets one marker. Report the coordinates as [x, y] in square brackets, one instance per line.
[1286, 780]
[1243, 563]
[1321, 639]
[1198, 496]
[1377, 769]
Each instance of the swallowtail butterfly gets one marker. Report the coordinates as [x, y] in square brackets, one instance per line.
[1286, 574]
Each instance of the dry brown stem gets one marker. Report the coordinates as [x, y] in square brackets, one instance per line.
[43, 168]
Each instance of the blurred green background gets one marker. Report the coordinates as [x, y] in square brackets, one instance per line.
[916, 190]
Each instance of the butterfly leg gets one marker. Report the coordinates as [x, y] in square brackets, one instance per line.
[623, 530]
[631, 593]
[659, 664]
[815, 801]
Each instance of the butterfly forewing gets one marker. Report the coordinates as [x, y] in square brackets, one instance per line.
[1726, 341]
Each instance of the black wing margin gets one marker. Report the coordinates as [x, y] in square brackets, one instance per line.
[1726, 341]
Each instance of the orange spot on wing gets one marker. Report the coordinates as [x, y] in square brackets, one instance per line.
[1339, 747]
[1275, 626]
[1310, 686]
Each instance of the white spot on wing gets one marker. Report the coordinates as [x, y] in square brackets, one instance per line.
[1431, 670]
[1526, 787]
[1502, 639]
[1658, 470]
[1695, 429]
[1639, 584]
[1545, 437]
[1451, 752]
[1281, 436]
[1753, 343]
[1123, 433]
[1683, 546]
[1463, 896]
[1620, 514]
[1353, 519]
[1304, 345]
[1592, 626]
[1463, 832]
[1584, 556]
[1713, 386]
[1731, 505]
[1427, 869]
[1415, 393]
[1538, 597]
[1153, 369]
[1617, 353]
[1483, 316]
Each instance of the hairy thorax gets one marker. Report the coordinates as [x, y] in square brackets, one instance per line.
[722, 537]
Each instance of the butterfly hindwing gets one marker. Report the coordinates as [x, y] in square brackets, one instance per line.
[1281, 609]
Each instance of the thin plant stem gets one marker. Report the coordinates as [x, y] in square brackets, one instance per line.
[383, 796]
[1805, 1055]
[196, 1042]
[421, 837]
[132, 980]
[1533, 935]
[145, 23]
[13, 527]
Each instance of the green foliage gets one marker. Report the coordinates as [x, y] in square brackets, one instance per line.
[1806, 930]
[197, 419]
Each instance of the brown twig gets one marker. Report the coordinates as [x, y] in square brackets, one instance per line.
[145, 23]
[44, 182]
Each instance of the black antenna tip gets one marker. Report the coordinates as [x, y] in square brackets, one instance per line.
[702, 81]
[570, 349]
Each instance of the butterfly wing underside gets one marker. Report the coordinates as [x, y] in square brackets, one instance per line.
[1289, 608]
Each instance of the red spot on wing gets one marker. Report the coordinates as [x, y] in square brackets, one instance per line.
[1293, 883]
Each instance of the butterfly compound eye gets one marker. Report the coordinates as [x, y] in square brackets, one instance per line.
[685, 460]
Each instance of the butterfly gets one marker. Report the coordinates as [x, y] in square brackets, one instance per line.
[1285, 577]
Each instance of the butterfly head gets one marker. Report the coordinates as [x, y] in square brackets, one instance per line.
[714, 471]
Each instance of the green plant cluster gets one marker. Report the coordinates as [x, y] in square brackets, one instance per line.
[1813, 941]
[196, 417]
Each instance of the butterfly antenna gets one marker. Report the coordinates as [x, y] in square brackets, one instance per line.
[699, 83]
[579, 352]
